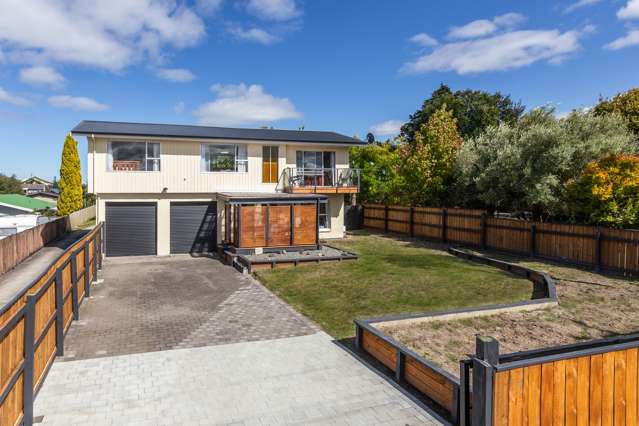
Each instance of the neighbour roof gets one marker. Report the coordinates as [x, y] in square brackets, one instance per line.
[24, 202]
[40, 186]
[36, 179]
[207, 132]
[256, 197]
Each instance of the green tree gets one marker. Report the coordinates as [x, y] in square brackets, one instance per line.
[379, 164]
[625, 104]
[427, 164]
[607, 192]
[474, 111]
[526, 166]
[10, 184]
[70, 199]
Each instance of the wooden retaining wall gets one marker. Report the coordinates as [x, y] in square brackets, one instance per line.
[408, 367]
[15, 248]
[615, 250]
[33, 325]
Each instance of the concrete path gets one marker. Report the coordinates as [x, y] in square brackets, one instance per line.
[299, 380]
[20, 277]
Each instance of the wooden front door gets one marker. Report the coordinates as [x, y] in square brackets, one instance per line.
[270, 169]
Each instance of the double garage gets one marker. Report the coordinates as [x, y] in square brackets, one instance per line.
[131, 228]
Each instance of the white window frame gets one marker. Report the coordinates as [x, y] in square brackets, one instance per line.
[109, 157]
[204, 165]
[327, 214]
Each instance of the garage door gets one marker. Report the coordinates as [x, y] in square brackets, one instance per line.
[130, 229]
[193, 227]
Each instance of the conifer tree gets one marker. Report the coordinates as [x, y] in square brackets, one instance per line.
[70, 184]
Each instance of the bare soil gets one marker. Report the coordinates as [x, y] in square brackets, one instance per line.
[591, 306]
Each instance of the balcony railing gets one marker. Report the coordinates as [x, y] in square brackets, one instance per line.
[320, 180]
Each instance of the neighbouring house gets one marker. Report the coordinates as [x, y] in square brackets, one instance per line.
[162, 189]
[18, 204]
[35, 184]
[10, 225]
[45, 196]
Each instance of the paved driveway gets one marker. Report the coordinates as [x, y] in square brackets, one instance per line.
[239, 355]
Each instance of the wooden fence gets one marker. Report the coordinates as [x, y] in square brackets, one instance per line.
[592, 383]
[33, 325]
[614, 250]
[15, 248]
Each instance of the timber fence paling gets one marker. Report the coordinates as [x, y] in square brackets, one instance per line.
[607, 249]
[32, 327]
[15, 248]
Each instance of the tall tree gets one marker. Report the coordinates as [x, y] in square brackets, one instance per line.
[427, 164]
[526, 166]
[625, 104]
[474, 111]
[10, 184]
[379, 165]
[70, 199]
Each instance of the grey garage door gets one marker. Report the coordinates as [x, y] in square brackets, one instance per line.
[130, 229]
[193, 227]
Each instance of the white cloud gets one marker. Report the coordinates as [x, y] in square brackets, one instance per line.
[386, 128]
[504, 51]
[580, 4]
[241, 104]
[629, 11]
[255, 35]
[423, 39]
[179, 107]
[484, 27]
[274, 10]
[41, 76]
[77, 103]
[108, 35]
[13, 99]
[208, 6]
[630, 39]
[178, 75]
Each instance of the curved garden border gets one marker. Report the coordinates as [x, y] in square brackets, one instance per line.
[437, 384]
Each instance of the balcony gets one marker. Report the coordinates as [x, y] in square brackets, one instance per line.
[319, 181]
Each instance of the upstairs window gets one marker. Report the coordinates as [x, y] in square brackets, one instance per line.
[224, 158]
[134, 156]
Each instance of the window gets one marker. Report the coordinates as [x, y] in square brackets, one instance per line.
[270, 171]
[133, 156]
[315, 160]
[224, 158]
[324, 215]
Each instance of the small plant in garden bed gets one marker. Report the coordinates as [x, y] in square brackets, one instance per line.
[391, 276]
[591, 306]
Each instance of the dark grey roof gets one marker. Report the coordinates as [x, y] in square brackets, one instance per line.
[207, 132]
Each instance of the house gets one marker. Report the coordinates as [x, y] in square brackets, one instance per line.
[164, 189]
[35, 184]
[18, 204]
[45, 196]
[10, 225]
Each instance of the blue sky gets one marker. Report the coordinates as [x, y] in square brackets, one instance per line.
[348, 66]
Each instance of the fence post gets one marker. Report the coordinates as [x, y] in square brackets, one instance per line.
[29, 355]
[598, 250]
[487, 355]
[95, 257]
[444, 225]
[59, 313]
[400, 363]
[74, 286]
[87, 276]
[533, 240]
[411, 222]
[385, 218]
[463, 415]
[482, 225]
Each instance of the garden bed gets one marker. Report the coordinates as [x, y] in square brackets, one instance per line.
[590, 306]
[392, 276]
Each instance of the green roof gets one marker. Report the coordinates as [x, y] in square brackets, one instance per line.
[25, 202]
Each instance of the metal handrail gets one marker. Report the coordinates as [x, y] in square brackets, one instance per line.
[320, 177]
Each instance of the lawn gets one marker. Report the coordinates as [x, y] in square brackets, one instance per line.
[391, 276]
[591, 306]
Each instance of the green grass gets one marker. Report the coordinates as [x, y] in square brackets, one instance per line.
[391, 277]
[88, 224]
